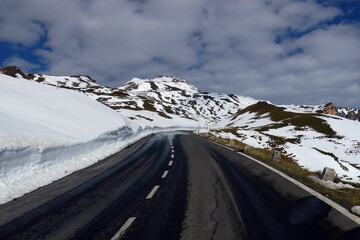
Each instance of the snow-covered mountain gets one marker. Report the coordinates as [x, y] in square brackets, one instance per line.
[313, 139]
[171, 97]
[164, 98]
[167, 97]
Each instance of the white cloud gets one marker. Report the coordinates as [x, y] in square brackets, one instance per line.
[302, 15]
[21, 63]
[225, 46]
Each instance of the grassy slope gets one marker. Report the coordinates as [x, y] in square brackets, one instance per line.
[278, 114]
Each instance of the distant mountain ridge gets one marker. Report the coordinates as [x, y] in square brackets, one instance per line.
[166, 96]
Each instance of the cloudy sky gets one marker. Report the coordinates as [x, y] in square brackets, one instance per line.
[285, 51]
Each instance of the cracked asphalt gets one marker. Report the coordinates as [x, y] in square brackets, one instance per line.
[233, 197]
[212, 212]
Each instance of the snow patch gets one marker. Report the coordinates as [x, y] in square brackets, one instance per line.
[330, 184]
[356, 210]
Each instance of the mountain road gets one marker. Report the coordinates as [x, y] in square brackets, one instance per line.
[174, 186]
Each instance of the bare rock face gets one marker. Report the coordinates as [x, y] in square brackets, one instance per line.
[13, 71]
[330, 109]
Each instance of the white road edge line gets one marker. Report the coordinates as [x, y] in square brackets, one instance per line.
[170, 163]
[172, 156]
[165, 174]
[306, 188]
[124, 227]
[153, 191]
[172, 151]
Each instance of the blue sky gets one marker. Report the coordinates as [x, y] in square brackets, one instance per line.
[284, 51]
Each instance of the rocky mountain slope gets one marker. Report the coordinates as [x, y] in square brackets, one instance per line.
[163, 97]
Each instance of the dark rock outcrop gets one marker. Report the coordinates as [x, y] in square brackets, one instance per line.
[13, 71]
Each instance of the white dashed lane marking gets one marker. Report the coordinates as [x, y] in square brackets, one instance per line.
[165, 174]
[153, 191]
[128, 223]
[124, 227]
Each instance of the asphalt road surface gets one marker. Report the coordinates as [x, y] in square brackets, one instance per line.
[173, 186]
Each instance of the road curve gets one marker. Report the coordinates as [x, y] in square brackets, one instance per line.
[173, 186]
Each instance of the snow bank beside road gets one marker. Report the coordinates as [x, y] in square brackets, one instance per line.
[47, 133]
[28, 169]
